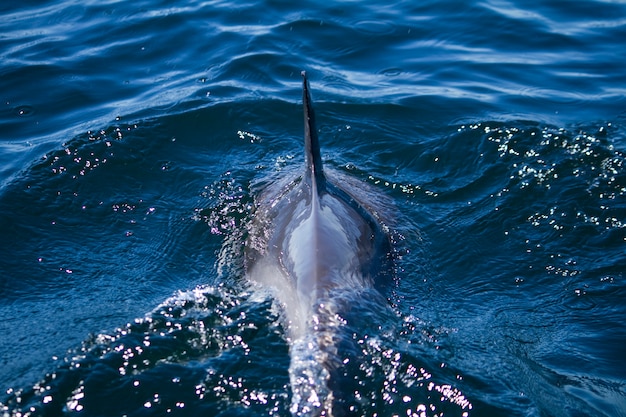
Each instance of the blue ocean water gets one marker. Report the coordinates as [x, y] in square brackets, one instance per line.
[132, 135]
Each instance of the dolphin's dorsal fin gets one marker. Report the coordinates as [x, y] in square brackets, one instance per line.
[314, 172]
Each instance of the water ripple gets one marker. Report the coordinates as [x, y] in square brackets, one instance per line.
[134, 135]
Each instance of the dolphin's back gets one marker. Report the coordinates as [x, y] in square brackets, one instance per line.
[321, 236]
[318, 244]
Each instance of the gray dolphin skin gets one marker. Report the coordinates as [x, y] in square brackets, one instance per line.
[317, 244]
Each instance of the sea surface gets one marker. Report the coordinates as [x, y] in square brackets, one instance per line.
[134, 139]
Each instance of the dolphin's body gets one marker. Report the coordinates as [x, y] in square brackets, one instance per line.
[316, 245]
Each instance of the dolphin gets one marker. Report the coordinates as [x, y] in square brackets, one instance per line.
[317, 243]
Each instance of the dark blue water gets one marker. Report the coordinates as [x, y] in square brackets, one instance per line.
[131, 137]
